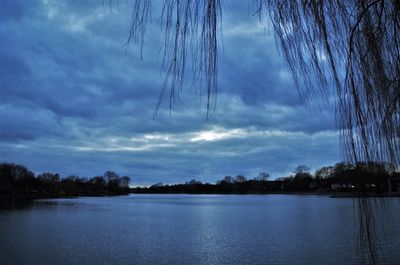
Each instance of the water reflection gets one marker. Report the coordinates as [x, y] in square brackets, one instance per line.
[188, 229]
[11, 203]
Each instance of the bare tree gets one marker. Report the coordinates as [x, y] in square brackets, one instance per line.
[301, 169]
[263, 176]
[240, 179]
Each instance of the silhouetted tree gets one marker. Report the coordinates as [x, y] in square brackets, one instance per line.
[112, 181]
[324, 172]
[124, 182]
[110, 176]
[240, 179]
[301, 169]
[226, 179]
[341, 169]
[303, 182]
[99, 184]
[263, 176]
[15, 178]
[193, 182]
[69, 185]
[49, 182]
[7, 178]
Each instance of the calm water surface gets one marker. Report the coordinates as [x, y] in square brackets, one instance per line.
[190, 229]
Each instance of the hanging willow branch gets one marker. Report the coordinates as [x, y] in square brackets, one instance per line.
[190, 31]
[353, 46]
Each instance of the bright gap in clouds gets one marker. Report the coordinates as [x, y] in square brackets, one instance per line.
[217, 134]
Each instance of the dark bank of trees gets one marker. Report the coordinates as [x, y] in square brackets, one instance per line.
[370, 177]
[375, 178]
[18, 180]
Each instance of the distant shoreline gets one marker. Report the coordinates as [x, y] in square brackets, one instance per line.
[330, 194]
[371, 179]
[18, 201]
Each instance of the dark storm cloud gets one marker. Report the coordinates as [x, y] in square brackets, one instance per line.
[19, 124]
[265, 77]
[12, 65]
[73, 102]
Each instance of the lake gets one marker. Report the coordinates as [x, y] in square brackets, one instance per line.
[191, 229]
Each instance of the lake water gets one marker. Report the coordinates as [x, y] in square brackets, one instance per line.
[191, 229]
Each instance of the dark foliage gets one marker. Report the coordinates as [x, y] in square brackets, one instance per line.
[359, 178]
[18, 180]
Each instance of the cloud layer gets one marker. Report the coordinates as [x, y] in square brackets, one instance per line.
[73, 102]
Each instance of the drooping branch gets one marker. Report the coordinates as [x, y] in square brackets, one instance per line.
[353, 47]
[191, 30]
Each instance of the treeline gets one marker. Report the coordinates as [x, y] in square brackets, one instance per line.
[18, 180]
[343, 177]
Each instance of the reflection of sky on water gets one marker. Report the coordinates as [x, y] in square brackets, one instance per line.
[189, 229]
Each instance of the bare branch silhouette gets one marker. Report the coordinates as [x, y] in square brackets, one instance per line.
[353, 47]
[190, 31]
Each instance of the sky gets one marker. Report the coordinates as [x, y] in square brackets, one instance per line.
[73, 102]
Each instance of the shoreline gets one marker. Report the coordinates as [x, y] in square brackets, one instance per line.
[330, 194]
[32, 197]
